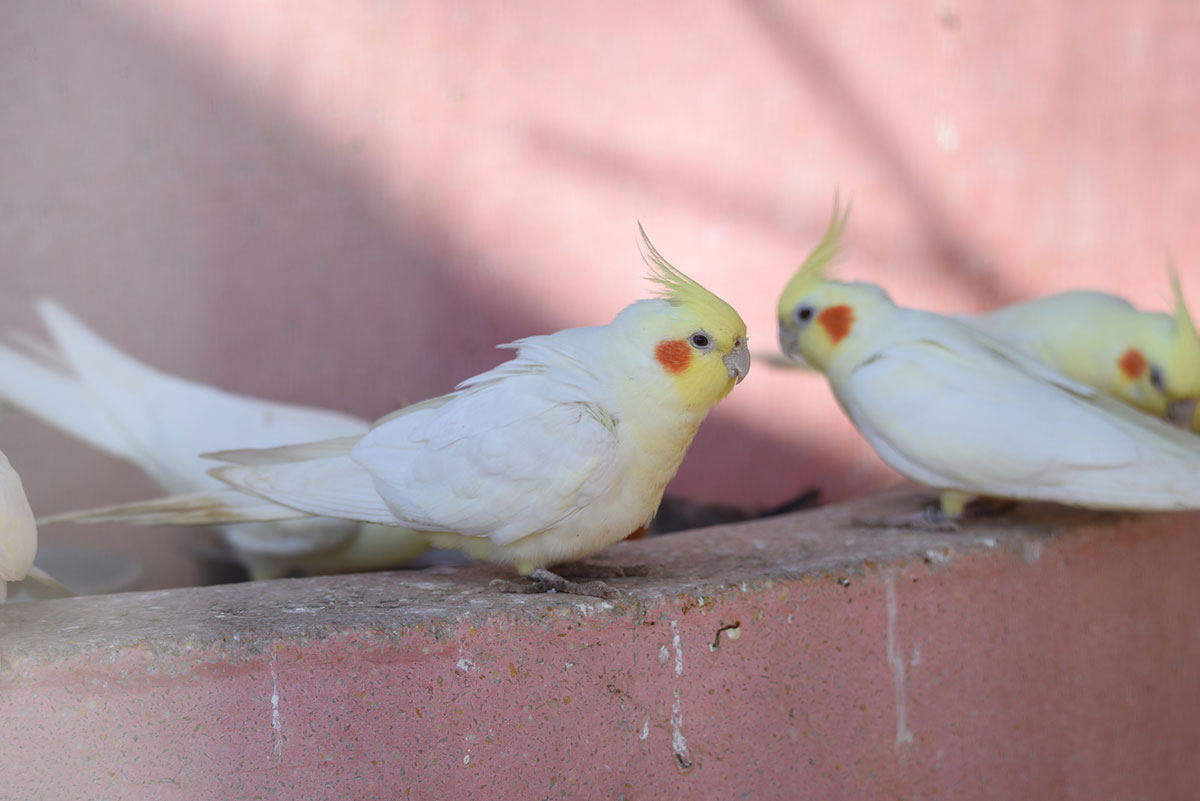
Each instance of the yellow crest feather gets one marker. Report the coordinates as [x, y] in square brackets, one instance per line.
[1185, 350]
[680, 290]
[813, 270]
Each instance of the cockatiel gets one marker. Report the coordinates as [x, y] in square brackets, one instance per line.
[91, 390]
[546, 458]
[1148, 359]
[18, 532]
[949, 406]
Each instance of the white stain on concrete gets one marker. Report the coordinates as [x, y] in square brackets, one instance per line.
[276, 726]
[1031, 551]
[896, 660]
[937, 556]
[589, 608]
[675, 643]
[683, 756]
[645, 728]
[464, 664]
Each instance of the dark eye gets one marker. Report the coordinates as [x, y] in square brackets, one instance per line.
[700, 340]
[1157, 380]
[804, 313]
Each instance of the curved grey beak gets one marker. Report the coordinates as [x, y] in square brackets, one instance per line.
[738, 360]
[788, 340]
[1182, 412]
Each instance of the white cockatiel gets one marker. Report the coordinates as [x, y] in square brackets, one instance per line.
[547, 458]
[89, 389]
[18, 531]
[1148, 359]
[949, 406]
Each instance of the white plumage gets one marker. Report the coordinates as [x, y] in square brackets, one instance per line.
[18, 532]
[162, 423]
[548, 457]
[945, 404]
[950, 407]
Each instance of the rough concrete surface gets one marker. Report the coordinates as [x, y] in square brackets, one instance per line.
[1047, 653]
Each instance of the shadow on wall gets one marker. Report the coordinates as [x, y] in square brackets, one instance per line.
[202, 228]
[814, 70]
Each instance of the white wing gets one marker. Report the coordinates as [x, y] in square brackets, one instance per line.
[333, 486]
[502, 461]
[514, 451]
[951, 411]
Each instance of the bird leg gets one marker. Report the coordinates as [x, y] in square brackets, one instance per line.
[940, 516]
[943, 515]
[543, 580]
[591, 570]
[1182, 412]
[928, 518]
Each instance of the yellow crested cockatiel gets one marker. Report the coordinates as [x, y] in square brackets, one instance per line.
[1148, 359]
[947, 405]
[87, 388]
[546, 458]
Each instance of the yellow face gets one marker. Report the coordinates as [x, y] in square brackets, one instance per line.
[1159, 378]
[700, 341]
[814, 317]
[818, 324]
[1139, 381]
[706, 358]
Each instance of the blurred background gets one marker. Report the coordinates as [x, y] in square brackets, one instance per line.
[348, 204]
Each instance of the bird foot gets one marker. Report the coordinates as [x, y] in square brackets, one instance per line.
[931, 518]
[542, 580]
[591, 570]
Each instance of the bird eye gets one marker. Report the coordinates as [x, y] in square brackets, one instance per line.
[804, 313]
[700, 340]
[1157, 379]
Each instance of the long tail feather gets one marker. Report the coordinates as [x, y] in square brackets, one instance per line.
[42, 586]
[303, 452]
[58, 400]
[217, 507]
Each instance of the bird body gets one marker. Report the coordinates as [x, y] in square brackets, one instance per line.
[1148, 359]
[948, 405]
[548, 457]
[18, 531]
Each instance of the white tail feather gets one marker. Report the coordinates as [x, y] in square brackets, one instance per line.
[217, 507]
[334, 487]
[58, 400]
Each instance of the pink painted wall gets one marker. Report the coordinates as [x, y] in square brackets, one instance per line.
[349, 203]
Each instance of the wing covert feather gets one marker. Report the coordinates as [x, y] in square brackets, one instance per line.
[503, 465]
[947, 421]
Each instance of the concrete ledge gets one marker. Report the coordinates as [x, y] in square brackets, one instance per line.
[1049, 654]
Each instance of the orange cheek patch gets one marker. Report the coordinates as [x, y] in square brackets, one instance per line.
[674, 355]
[837, 322]
[1133, 364]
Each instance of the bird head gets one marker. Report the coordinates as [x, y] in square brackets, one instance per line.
[1160, 369]
[1180, 380]
[695, 338]
[818, 317]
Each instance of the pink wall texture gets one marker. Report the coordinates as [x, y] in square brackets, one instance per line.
[349, 203]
